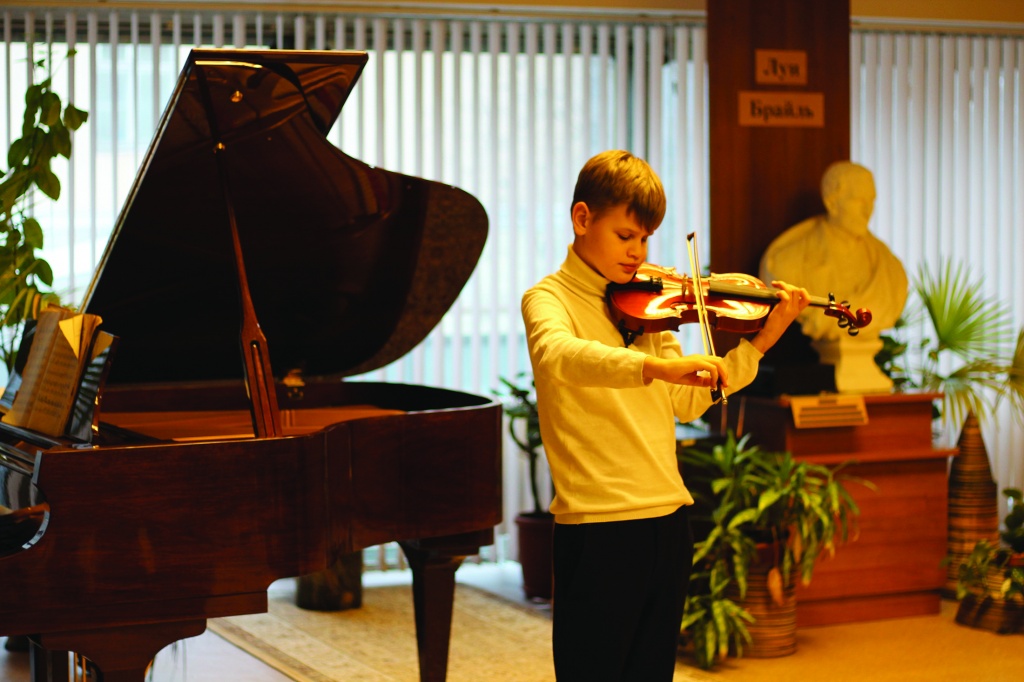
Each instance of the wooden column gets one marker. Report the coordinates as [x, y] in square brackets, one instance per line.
[765, 174]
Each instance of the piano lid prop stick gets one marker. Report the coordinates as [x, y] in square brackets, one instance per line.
[259, 378]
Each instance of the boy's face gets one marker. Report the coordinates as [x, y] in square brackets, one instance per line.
[613, 243]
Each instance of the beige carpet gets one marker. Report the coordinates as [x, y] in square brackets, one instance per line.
[496, 639]
[492, 639]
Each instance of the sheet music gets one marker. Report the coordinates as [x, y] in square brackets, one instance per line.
[52, 371]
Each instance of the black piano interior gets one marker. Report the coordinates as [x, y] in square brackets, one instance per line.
[253, 268]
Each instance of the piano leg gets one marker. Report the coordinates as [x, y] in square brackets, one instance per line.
[433, 562]
[122, 654]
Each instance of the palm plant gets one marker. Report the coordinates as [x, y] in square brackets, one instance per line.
[964, 353]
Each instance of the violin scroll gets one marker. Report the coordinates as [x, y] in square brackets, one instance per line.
[851, 322]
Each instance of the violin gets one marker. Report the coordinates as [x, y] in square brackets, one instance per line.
[659, 298]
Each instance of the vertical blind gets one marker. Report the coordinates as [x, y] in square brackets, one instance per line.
[937, 118]
[510, 109]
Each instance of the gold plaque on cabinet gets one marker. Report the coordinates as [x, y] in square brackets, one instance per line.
[824, 411]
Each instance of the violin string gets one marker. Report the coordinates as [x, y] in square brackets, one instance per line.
[768, 294]
[751, 293]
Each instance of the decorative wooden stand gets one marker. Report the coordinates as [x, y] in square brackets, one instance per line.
[892, 568]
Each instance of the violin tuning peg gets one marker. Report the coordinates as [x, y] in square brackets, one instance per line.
[853, 331]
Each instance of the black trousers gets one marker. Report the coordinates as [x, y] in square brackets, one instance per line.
[619, 591]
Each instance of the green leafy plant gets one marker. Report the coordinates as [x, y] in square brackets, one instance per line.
[24, 277]
[712, 620]
[964, 352]
[520, 404]
[756, 496]
[1013, 531]
[1004, 563]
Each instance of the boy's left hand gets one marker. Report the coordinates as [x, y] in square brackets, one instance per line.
[792, 301]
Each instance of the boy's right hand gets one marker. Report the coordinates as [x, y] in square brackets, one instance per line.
[703, 371]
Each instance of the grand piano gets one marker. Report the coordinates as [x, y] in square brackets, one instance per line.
[253, 267]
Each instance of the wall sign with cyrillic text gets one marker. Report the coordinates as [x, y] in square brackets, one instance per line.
[780, 67]
[782, 109]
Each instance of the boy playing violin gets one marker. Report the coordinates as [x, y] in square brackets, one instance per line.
[622, 542]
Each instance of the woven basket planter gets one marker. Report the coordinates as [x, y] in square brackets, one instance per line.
[988, 612]
[773, 632]
[991, 613]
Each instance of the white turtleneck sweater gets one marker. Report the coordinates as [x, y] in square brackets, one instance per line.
[609, 439]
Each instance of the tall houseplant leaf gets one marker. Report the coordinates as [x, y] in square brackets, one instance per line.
[25, 277]
[520, 405]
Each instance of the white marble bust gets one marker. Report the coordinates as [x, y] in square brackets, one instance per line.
[835, 253]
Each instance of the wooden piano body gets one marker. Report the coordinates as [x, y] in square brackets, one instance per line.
[192, 495]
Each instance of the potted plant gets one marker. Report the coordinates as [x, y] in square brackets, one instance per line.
[768, 516]
[535, 526]
[45, 134]
[990, 582]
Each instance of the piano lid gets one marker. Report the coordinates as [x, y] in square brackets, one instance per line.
[349, 266]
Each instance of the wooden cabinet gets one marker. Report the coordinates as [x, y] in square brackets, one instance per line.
[892, 567]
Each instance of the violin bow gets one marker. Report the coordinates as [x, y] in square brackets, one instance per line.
[717, 393]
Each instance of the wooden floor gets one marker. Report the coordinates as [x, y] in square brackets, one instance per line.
[208, 658]
[933, 648]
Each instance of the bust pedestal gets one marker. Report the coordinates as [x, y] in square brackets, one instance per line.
[854, 360]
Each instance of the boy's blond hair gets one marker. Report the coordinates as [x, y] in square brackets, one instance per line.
[618, 177]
